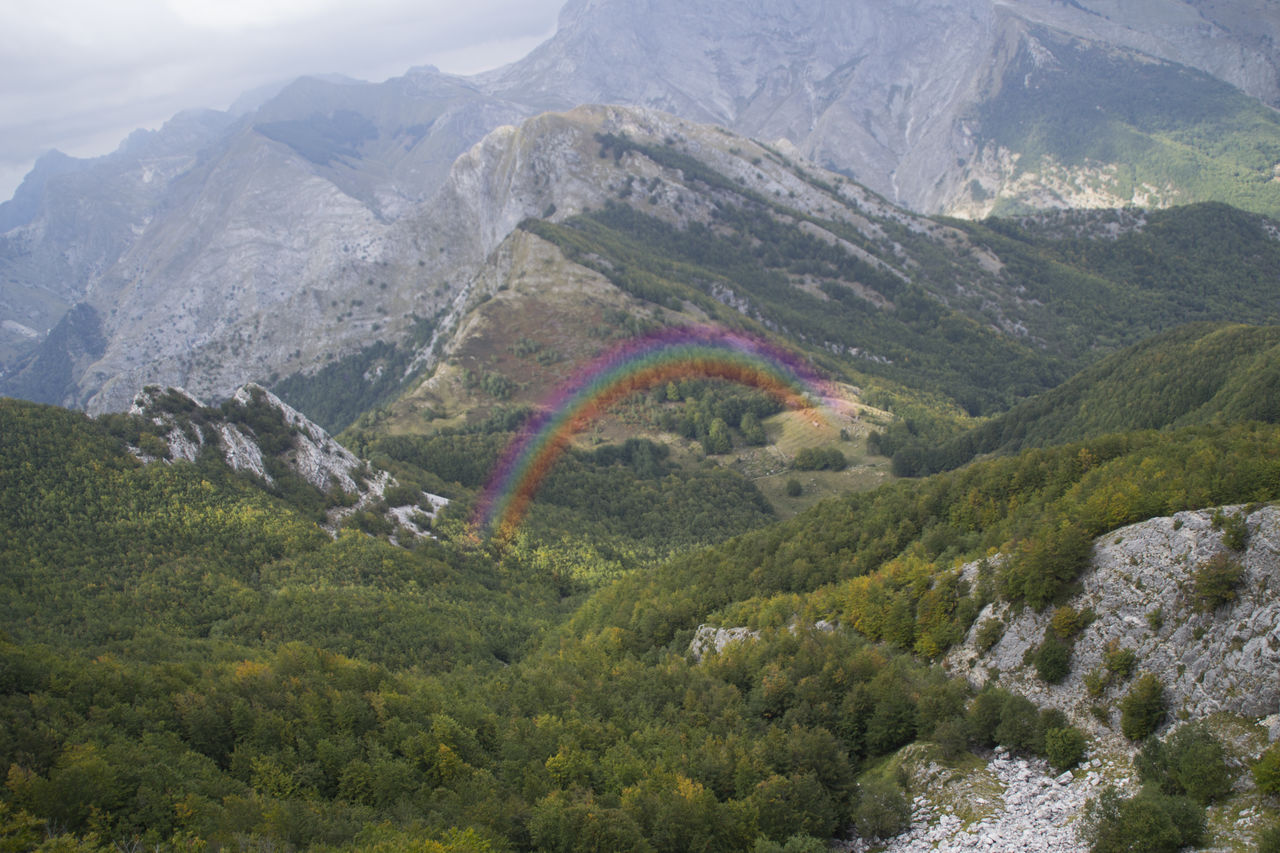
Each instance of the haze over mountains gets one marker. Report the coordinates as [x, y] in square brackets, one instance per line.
[225, 248]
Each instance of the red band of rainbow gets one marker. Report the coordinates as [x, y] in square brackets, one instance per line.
[636, 366]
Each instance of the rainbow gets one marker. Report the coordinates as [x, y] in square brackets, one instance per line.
[635, 366]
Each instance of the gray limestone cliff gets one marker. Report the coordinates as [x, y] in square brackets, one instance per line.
[887, 91]
[1141, 592]
[257, 434]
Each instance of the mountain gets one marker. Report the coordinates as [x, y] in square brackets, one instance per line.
[911, 293]
[306, 300]
[71, 221]
[934, 104]
[246, 250]
[224, 247]
[720, 623]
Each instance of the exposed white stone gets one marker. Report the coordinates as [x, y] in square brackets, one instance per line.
[1035, 812]
[312, 454]
[708, 639]
[1227, 660]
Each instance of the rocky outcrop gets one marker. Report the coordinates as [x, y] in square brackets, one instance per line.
[1141, 596]
[884, 91]
[1011, 803]
[708, 639]
[255, 417]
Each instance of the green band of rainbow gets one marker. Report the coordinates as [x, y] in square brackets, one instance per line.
[636, 366]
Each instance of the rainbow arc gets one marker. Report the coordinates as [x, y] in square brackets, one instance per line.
[634, 367]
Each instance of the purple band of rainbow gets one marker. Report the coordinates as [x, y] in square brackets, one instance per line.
[635, 366]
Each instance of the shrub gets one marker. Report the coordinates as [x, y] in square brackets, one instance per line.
[1142, 710]
[153, 445]
[1053, 718]
[1064, 747]
[984, 716]
[1266, 770]
[882, 809]
[1096, 681]
[717, 439]
[794, 844]
[988, 634]
[1019, 727]
[794, 488]
[1235, 532]
[1216, 581]
[1190, 761]
[1119, 661]
[1046, 564]
[1268, 839]
[815, 459]
[1053, 660]
[952, 738]
[1066, 621]
[1151, 822]
[370, 522]
[402, 495]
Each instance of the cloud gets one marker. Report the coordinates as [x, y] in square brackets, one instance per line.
[78, 75]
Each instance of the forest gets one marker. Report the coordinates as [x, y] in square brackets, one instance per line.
[190, 662]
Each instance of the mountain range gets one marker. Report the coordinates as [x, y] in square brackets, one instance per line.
[262, 242]
[377, 485]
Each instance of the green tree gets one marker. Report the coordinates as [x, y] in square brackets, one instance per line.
[1064, 747]
[882, 810]
[752, 430]
[1019, 727]
[1216, 582]
[1046, 563]
[1266, 770]
[1150, 822]
[1268, 839]
[1053, 659]
[563, 824]
[1142, 710]
[717, 439]
[988, 634]
[1190, 761]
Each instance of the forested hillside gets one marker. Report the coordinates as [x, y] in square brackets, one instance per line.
[1156, 134]
[985, 318]
[1194, 374]
[188, 659]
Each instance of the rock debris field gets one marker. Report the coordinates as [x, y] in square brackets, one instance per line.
[1037, 812]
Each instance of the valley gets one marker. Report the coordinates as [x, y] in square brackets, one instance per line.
[693, 436]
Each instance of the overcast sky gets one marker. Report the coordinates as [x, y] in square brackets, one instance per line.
[79, 75]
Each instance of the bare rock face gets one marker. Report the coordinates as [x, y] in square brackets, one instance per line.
[708, 639]
[1142, 594]
[884, 91]
[233, 247]
[224, 248]
[256, 426]
[72, 220]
